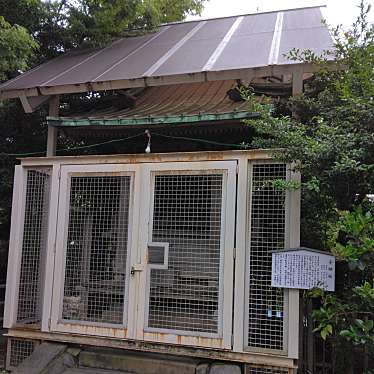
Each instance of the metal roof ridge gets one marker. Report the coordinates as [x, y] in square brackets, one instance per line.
[243, 15]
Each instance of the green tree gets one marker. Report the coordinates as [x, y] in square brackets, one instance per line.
[331, 138]
[97, 21]
[33, 31]
[60, 25]
[17, 46]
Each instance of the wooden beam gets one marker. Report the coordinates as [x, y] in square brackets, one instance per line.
[14, 94]
[31, 103]
[254, 154]
[54, 104]
[249, 73]
[26, 104]
[163, 348]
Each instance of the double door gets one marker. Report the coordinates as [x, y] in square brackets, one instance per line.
[145, 251]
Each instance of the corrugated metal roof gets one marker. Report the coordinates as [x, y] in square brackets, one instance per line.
[181, 52]
[194, 110]
[185, 103]
[167, 104]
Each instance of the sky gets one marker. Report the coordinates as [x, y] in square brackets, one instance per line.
[336, 12]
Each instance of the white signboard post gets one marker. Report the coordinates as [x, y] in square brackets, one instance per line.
[303, 268]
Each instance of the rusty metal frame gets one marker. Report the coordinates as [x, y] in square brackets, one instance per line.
[162, 348]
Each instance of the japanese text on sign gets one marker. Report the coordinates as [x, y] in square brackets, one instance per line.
[303, 269]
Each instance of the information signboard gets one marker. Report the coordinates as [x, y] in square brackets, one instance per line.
[303, 268]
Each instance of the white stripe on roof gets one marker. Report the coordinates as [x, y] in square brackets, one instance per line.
[274, 49]
[80, 63]
[132, 53]
[174, 49]
[221, 46]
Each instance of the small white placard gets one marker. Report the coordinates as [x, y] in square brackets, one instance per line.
[303, 269]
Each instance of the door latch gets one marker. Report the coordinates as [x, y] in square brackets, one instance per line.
[135, 268]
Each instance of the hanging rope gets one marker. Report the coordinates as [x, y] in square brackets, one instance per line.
[148, 135]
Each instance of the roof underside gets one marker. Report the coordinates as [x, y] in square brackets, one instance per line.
[167, 112]
[185, 103]
[180, 53]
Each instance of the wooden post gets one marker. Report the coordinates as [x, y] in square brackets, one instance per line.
[297, 86]
[297, 89]
[310, 337]
[54, 103]
[297, 83]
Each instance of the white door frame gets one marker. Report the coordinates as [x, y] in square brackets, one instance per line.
[124, 330]
[140, 210]
[15, 247]
[223, 338]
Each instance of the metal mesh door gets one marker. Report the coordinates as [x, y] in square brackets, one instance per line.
[96, 249]
[35, 229]
[267, 233]
[187, 214]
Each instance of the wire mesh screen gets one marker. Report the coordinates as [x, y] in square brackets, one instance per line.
[267, 233]
[249, 369]
[35, 231]
[18, 351]
[187, 215]
[96, 249]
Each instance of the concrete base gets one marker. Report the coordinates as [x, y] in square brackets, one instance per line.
[147, 363]
[137, 363]
[92, 371]
[43, 359]
[49, 358]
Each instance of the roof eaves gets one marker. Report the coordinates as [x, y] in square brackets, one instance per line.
[206, 76]
[150, 120]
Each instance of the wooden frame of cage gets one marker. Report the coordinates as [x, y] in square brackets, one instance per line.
[243, 158]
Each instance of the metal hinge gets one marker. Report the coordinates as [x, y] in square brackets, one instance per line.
[49, 323]
[232, 340]
[237, 168]
[234, 252]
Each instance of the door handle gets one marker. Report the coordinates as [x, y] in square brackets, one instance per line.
[135, 268]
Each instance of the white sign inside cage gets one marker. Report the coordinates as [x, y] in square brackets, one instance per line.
[303, 268]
